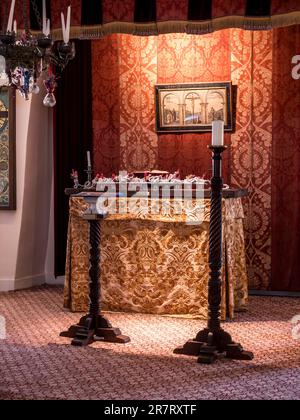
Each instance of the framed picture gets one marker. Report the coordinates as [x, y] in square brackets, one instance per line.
[7, 149]
[193, 107]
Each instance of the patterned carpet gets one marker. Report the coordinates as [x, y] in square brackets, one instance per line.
[35, 363]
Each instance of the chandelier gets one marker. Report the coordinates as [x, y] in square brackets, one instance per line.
[24, 57]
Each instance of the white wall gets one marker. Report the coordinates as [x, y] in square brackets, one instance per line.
[26, 252]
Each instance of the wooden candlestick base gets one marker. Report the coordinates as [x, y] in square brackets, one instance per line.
[90, 329]
[208, 346]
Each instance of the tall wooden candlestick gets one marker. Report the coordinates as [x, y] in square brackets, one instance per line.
[213, 340]
[94, 326]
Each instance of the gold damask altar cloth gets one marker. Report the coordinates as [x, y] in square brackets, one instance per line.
[156, 264]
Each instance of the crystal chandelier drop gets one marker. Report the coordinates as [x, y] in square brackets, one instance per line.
[24, 57]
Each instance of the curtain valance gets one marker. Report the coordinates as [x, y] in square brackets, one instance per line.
[95, 18]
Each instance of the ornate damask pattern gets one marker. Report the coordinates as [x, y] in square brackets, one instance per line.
[138, 75]
[167, 279]
[235, 259]
[124, 103]
[251, 65]
[279, 6]
[170, 10]
[106, 104]
[155, 266]
[187, 58]
[190, 58]
[194, 211]
[122, 11]
[228, 8]
[241, 56]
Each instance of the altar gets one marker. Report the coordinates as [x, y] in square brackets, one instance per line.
[157, 264]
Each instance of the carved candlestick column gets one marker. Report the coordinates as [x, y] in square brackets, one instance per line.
[213, 340]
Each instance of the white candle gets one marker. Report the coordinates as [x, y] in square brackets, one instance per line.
[47, 31]
[218, 133]
[44, 18]
[63, 26]
[68, 25]
[11, 16]
[89, 159]
[15, 27]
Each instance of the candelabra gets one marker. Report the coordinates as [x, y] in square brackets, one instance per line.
[24, 57]
[213, 340]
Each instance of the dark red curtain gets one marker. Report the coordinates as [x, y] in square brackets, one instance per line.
[286, 163]
[73, 137]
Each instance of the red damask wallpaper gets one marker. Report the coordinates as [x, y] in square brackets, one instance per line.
[251, 71]
[138, 75]
[106, 104]
[125, 70]
[286, 163]
[170, 10]
[122, 11]
[181, 59]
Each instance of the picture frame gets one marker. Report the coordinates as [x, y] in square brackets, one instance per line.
[184, 108]
[7, 148]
